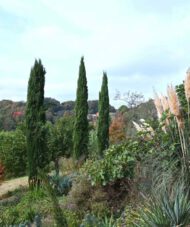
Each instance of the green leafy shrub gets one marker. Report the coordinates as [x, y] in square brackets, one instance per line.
[117, 163]
[13, 154]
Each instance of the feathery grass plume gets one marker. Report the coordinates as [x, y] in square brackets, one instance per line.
[165, 104]
[175, 110]
[187, 85]
[175, 106]
[166, 107]
[173, 101]
[158, 105]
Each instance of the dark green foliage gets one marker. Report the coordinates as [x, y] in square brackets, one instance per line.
[93, 144]
[103, 118]
[60, 141]
[81, 134]
[182, 99]
[35, 121]
[13, 154]
[93, 107]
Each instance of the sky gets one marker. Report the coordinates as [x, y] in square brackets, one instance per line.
[141, 44]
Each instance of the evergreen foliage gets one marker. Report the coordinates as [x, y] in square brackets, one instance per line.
[103, 119]
[13, 155]
[81, 133]
[35, 121]
[60, 141]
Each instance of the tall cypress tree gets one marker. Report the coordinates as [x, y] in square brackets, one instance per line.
[103, 119]
[35, 120]
[80, 133]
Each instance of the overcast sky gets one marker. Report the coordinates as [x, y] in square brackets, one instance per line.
[141, 44]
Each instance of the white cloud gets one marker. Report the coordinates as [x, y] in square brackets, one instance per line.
[130, 39]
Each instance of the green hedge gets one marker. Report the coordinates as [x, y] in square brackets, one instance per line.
[13, 154]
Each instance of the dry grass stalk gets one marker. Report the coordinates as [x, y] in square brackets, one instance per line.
[187, 85]
[158, 105]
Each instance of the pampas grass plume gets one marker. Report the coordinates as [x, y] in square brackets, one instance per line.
[187, 85]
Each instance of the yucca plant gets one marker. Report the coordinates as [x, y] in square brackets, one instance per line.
[167, 210]
[108, 222]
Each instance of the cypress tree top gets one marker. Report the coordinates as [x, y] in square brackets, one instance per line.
[35, 95]
[80, 134]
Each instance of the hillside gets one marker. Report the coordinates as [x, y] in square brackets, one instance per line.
[13, 112]
[146, 111]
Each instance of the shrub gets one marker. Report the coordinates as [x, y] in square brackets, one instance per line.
[60, 139]
[13, 153]
[117, 163]
[78, 199]
[117, 132]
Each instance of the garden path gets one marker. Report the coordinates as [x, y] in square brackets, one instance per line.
[11, 185]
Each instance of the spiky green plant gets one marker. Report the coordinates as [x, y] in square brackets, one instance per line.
[170, 209]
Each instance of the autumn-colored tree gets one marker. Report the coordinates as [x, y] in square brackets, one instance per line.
[117, 129]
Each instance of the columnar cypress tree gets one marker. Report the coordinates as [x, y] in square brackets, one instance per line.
[103, 119]
[35, 120]
[80, 133]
